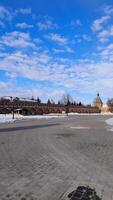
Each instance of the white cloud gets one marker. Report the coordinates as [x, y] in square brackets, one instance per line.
[25, 11]
[62, 41]
[58, 39]
[80, 77]
[69, 50]
[66, 49]
[67, 75]
[24, 25]
[80, 38]
[76, 23]
[58, 50]
[40, 66]
[106, 53]
[47, 24]
[108, 9]
[103, 26]
[22, 92]
[5, 14]
[86, 37]
[17, 40]
[98, 23]
[3, 85]
[104, 35]
[36, 91]
[60, 72]
[2, 24]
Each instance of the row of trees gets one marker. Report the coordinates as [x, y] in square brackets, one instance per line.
[65, 100]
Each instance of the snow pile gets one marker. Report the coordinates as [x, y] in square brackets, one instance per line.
[107, 113]
[7, 118]
[73, 113]
[110, 122]
[79, 127]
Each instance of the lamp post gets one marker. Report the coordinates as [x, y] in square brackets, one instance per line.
[67, 109]
[12, 100]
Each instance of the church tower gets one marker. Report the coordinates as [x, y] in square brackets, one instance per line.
[98, 102]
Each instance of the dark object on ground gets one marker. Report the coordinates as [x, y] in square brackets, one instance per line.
[83, 193]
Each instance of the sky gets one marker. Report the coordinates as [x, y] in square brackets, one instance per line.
[53, 47]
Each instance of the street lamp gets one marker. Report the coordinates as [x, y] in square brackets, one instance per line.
[12, 100]
[67, 107]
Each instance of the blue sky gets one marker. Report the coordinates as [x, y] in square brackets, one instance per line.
[49, 48]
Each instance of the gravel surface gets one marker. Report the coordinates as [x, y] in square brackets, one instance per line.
[48, 159]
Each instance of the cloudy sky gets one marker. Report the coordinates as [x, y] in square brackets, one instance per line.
[52, 47]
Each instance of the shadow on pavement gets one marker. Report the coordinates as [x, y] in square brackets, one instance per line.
[26, 127]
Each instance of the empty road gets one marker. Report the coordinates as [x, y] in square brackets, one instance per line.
[47, 159]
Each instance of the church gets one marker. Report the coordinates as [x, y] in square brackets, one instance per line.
[99, 104]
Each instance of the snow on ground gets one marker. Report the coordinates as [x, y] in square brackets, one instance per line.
[79, 127]
[7, 118]
[107, 113]
[110, 122]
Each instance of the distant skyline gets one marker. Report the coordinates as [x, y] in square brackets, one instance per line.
[52, 47]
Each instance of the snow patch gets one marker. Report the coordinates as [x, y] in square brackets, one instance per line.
[110, 122]
[106, 113]
[7, 118]
[79, 127]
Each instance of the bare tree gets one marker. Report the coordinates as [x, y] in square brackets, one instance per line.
[66, 99]
[52, 101]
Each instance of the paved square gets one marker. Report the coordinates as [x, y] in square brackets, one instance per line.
[47, 159]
